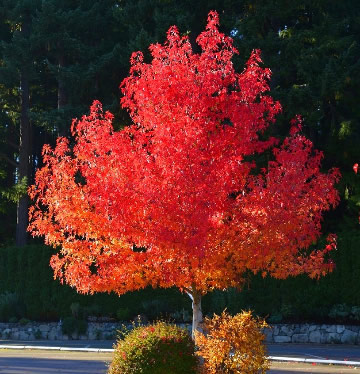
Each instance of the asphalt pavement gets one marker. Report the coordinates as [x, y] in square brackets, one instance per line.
[339, 352]
[51, 362]
[94, 356]
[37, 361]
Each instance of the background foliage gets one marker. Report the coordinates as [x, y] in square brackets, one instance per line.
[312, 48]
[25, 271]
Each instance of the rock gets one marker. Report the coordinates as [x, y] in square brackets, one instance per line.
[23, 335]
[282, 339]
[52, 334]
[296, 329]
[286, 330]
[349, 337]
[300, 338]
[304, 329]
[44, 328]
[315, 336]
[279, 333]
[354, 328]
[331, 328]
[340, 329]
[276, 330]
[268, 335]
[94, 334]
[334, 338]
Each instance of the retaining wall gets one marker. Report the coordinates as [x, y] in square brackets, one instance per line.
[307, 333]
[279, 333]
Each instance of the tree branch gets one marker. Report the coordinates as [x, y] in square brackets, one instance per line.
[188, 292]
[8, 159]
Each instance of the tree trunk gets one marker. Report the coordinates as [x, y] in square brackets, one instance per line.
[24, 148]
[195, 296]
[24, 162]
[62, 97]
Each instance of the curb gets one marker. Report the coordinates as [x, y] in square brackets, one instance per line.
[313, 361]
[46, 348]
[105, 350]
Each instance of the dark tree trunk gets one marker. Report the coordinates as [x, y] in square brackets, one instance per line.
[25, 154]
[62, 94]
[62, 98]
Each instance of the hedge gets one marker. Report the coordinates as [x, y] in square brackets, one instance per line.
[26, 272]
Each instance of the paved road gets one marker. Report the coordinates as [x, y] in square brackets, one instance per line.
[321, 351]
[288, 368]
[51, 362]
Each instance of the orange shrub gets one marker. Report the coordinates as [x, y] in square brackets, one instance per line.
[233, 344]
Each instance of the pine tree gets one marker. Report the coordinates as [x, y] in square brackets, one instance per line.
[78, 44]
[17, 72]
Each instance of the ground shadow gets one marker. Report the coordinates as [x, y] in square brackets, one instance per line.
[25, 365]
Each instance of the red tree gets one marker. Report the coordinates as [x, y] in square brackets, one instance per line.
[182, 197]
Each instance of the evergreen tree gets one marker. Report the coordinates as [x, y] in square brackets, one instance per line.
[54, 62]
[78, 44]
[313, 51]
[16, 75]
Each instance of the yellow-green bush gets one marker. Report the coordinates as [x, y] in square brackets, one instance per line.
[160, 348]
[232, 345]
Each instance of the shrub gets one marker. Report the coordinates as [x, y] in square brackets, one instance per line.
[11, 306]
[71, 325]
[160, 348]
[75, 310]
[344, 313]
[340, 312]
[232, 345]
[24, 321]
[93, 310]
[123, 314]
[181, 316]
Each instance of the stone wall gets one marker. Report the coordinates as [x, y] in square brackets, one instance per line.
[306, 333]
[52, 331]
[281, 333]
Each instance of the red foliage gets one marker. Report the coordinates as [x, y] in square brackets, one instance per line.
[178, 199]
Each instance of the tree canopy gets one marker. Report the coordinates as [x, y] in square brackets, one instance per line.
[180, 197]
